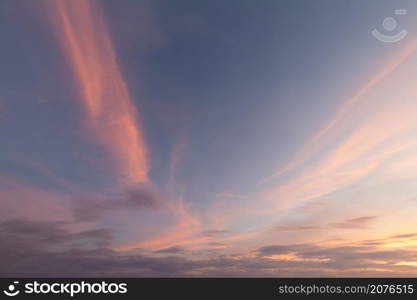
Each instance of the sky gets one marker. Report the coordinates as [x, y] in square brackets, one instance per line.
[186, 138]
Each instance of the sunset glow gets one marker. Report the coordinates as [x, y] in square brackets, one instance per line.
[161, 140]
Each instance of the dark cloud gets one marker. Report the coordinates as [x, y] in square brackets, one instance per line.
[87, 207]
[49, 249]
[281, 249]
[171, 250]
[356, 223]
[143, 197]
[36, 234]
[41, 235]
[375, 242]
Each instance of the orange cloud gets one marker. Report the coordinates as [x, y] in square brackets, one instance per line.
[110, 112]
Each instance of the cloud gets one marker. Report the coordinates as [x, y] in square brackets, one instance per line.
[84, 209]
[170, 250]
[404, 236]
[49, 249]
[47, 236]
[405, 239]
[356, 223]
[111, 116]
[370, 131]
[90, 207]
[143, 196]
[214, 232]
[353, 223]
[312, 146]
[279, 249]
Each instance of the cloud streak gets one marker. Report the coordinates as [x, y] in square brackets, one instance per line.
[359, 139]
[313, 144]
[111, 115]
[356, 223]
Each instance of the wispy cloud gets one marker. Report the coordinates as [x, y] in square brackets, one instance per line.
[356, 223]
[91, 207]
[369, 143]
[111, 114]
[313, 145]
[370, 130]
